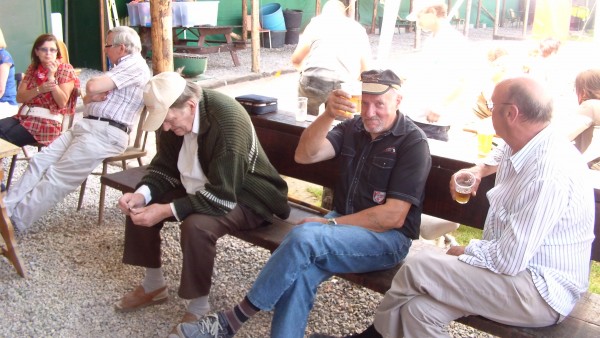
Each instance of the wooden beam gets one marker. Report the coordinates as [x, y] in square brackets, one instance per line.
[102, 35]
[244, 19]
[374, 18]
[467, 18]
[255, 38]
[478, 14]
[161, 31]
[525, 18]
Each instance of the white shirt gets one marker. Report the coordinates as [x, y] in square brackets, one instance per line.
[541, 219]
[443, 81]
[192, 176]
[337, 45]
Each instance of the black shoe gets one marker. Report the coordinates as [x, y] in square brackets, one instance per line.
[370, 332]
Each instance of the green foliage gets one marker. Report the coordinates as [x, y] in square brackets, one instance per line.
[317, 191]
[465, 233]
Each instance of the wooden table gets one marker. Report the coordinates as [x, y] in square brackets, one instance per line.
[6, 228]
[279, 134]
[197, 34]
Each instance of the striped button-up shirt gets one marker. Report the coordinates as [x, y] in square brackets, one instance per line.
[124, 102]
[541, 218]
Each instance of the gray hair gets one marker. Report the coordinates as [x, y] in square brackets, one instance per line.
[192, 91]
[128, 37]
[532, 99]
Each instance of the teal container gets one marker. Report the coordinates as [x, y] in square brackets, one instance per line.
[271, 17]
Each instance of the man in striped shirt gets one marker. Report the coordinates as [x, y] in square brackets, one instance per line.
[532, 264]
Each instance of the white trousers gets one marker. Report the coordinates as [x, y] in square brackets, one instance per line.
[60, 168]
[432, 289]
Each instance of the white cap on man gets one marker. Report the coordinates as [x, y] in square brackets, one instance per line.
[159, 95]
[421, 5]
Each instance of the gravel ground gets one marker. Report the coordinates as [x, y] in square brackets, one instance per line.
[76, 274]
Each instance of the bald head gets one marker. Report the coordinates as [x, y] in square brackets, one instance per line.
[530, 96]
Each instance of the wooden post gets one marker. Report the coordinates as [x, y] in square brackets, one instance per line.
[501, 15]
[525, 18]
[102, 35]
[255, 38]
[244, 19]
[496, 21]
[374, 18]
[467, 18]
[317, 7]
[162, 36]
[477, 24]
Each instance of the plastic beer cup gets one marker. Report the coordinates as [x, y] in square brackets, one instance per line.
[301, 110]
[463, 184]
[353, 88]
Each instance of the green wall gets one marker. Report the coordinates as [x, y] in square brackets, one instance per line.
[22, 22]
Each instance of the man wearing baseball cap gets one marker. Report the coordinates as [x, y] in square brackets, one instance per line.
[210, 173]
[384, 163]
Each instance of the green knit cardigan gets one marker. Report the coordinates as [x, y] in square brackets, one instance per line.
[236, 166]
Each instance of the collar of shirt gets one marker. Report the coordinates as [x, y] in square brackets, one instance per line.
[196, 125]
[124, 57]
[523, 156]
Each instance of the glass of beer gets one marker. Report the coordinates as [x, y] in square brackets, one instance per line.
[484, 143]
[485, 137]
[463, 184]
[353, 88]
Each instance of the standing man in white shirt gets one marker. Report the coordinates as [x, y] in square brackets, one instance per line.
[536, 241]
[436, 94]
[332, 49]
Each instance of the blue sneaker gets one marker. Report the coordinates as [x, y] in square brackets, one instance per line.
[210, 326]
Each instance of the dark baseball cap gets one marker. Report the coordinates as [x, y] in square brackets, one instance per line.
[378, 82]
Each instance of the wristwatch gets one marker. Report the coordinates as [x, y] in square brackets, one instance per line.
[331, 221]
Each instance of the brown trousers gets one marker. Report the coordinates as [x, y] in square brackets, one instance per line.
[199, 235]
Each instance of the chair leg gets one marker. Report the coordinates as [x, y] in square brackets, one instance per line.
[102, 195]
[101, 207]
[81, 193]
[11, 170]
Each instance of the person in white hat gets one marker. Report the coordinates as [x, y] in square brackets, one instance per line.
[437, 95]
[210, 173]
[113, 102]
[435, 92]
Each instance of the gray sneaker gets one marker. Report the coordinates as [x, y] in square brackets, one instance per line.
[210, 326]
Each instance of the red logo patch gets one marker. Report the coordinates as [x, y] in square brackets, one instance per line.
[379, 197]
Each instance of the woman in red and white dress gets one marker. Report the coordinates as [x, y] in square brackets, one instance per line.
[47, 93]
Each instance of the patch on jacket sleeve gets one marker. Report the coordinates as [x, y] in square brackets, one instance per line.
[378, 196]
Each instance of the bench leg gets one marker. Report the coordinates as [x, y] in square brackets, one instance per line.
[81, 193]
[7, 231]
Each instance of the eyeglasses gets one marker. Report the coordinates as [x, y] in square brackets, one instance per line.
[109, 46]
[48, 50]
[490, 105]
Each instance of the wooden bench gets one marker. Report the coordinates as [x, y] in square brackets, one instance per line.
[279, 135]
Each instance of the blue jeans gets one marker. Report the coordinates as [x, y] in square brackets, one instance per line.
[309, 255]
